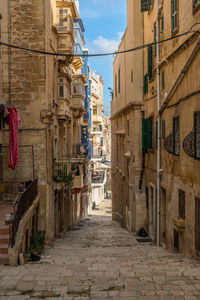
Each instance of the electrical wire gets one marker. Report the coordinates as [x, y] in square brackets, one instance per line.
[103, 54]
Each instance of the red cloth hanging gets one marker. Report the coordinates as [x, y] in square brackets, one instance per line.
[14, 120]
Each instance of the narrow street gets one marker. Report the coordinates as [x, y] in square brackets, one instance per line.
[99, 260]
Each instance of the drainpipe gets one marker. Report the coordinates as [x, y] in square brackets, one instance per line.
[159, 121]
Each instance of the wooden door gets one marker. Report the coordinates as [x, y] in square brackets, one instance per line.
[197, 224]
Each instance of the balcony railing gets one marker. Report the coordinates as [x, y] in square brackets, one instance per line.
[21, 206]
[10, 190]
[98, 177]
[61, 171]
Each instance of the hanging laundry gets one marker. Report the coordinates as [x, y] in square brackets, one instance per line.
[14, 120]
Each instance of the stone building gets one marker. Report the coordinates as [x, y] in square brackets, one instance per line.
[167, 133]
[49, 93]
[126, 125]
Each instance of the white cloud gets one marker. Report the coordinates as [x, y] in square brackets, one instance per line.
[104, 45]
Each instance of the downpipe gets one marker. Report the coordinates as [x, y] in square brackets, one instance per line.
[159, 121]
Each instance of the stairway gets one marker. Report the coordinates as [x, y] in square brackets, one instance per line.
[4, 233]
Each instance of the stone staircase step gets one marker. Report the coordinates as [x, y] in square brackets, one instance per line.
[3, 259]
[4, 249]
[4, 239]
[4, 230]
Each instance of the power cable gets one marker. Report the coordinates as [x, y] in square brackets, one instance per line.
[103, 54]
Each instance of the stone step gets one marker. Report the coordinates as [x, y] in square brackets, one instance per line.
[4, 230]
[3, 259]
[4, 249]
[4, 239]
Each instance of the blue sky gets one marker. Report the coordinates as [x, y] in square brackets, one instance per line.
[105, 23]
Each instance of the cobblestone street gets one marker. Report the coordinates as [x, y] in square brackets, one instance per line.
[99, 260]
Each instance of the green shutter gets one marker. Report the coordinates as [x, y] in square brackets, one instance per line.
[144, 5]
[156, 135]
[150, 62]
[144, 135]
[162, 23]
[155, 38]
[174, 9]
[163, 129]
[150, 133]
[145, 87]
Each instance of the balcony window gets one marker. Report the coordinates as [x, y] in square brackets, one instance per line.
[76, 89]
[63, 11]
[95, 110]
[62, 21]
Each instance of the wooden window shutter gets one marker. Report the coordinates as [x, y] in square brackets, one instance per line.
[150, 133]
[145, 87]
[144, 5]
[144, 135]
[163, 129]
[150, 62]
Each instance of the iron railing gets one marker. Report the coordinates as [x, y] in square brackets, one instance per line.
[61, 171]
[9, 191]
[21, 206]
[98, 177]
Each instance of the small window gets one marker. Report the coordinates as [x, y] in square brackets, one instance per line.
[62, 21]
[63, 11]
[162, 23]
[163, 129]
[181, 204]
[115, 85]
[75, 89]
[94, 110]
[174, 9]
[119, 81]
[61, 91]
[128, 129]
[163, 80]
[131, 75]
[196, 3]
[147, 134]
[146, 5]
[197, 134]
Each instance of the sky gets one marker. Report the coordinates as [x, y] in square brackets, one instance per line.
[105, 23]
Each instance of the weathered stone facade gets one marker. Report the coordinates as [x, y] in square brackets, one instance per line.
[179, 128]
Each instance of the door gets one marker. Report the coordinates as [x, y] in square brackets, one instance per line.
[197, 224]
[163, 217]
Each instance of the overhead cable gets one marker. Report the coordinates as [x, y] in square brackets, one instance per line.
[102, 54]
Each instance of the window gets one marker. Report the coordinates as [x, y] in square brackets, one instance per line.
[146, 5]
[63, 11]
[75, 88]
[197, 134]
[145, 87]
[128, 130]
[176, 136]
[155, 38]
[196, 3]
[61, 91]
[94, 110]
[147, 134]
[174, 9]
[131, 75]
[115, 85]
[163, 80]
[162, 23]
[163, 129]
[119, 81]
[181, 204]
[150, 62]
[62, 21]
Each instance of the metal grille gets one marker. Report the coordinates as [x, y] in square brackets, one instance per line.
[181, 204]
[169, 144]
[188, 145]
